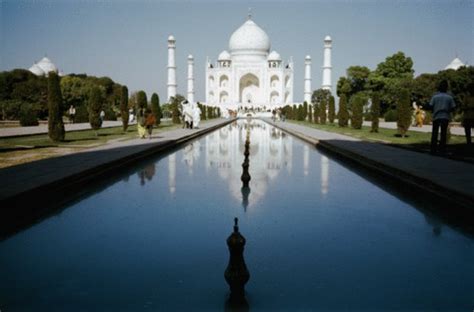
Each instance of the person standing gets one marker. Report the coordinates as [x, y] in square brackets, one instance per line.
[72, 113]
[442, 104]
[141, 122]
[149, 122]
[468, 117]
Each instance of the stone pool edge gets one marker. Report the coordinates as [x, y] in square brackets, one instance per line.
[19, 207]
[462, 199]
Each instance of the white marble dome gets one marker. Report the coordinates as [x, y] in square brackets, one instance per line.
[224, 56]
[274, 56]
[249, 37]
[47, 66]
[327, 38]
[171, 38]
[455, 64]
[35, 69]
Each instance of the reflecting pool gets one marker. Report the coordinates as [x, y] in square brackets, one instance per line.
[319, 237]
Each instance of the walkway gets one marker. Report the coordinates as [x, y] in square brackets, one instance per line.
[453, 180]
[424, 128]
[43, 128]
[28, 188]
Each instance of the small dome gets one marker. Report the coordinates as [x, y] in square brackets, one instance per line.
[327, 38]
[249, 37]
[47, 66]
[274, 56]
[171, 38]
[190, 57]
[224, 56]
[35, 69]
[455, 64]
[308, 57]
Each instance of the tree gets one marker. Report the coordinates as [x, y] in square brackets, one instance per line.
[343, 114]
[404, 112]
[94, 107]
[142, 101]
[375, 112]
[175, 105]
[357, 111]
[310, 114]
[358, 77]
[331, 109]
[305, 110]
[124, 107]
[55, 109]
[155, 108]
[209, 112]
[319, 95]
[316, 113]
[343, 86]
[322, 112]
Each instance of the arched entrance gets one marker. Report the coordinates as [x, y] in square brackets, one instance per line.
[248, 88]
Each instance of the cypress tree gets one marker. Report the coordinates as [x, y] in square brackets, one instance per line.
[203, 111]
[305, 110]
[375, 111]
[94, 107]
[295, 112]
[55, 109]
[142, 101]
[404, 112]
[310, 114]
[209, 112]
[155, 108]
[342, 114]
[322, 112]
[124, 107]
[175, 110]
[218, 112]
[357, 112]
[331, 109]
[316, 113]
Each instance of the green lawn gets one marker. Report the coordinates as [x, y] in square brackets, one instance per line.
[78, 139]
[389, 136]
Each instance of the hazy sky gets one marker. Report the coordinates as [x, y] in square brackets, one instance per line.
[127, 40]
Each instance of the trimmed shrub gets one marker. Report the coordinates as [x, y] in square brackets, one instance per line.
[322, 112]
[155, 108]
[404, 112]
[82, 115]
[391, 115]
[124, 107]
[331, 109]
[375, 112]
[141, 100]
[28, 116]
[342, 114]
[357, 112]
[316, 113]
[305, 110]
[310, 114]
[94, 107]
[55, 109]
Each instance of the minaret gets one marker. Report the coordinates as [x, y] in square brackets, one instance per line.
[327, 64]
[190, 78]
[171, 67]
[307, 79]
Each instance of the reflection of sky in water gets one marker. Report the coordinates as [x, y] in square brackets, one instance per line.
[319, 237]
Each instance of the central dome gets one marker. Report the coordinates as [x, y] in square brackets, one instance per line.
[249, 38]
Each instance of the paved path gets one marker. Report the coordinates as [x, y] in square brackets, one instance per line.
[43, 128]
[25, 189]
[453, 180]
[424, 128]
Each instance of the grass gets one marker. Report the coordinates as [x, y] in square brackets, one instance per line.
[19, 150]
[84, 138]
[417, 141]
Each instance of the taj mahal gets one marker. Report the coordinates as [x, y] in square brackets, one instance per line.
[249, 74]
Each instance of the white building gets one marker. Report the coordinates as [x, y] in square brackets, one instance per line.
[248, 74]
[43, 67]
[455, 64]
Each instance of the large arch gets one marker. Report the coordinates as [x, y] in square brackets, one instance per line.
[248, 88]
[223, 81]
[223, 97]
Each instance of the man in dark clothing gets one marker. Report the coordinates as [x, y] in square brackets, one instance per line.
[442, 105]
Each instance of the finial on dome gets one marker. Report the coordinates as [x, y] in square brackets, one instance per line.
[249, 16]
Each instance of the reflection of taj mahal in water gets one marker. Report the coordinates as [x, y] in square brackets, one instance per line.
[271, 153]
[248, 74]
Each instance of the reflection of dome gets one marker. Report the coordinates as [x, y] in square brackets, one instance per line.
[224, 56]
[455, 64]
[35, 69]
[249, 37]
[274, 56]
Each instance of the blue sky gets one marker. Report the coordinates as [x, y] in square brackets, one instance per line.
[126, 40]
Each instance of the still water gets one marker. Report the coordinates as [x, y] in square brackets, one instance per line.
[319, 237]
